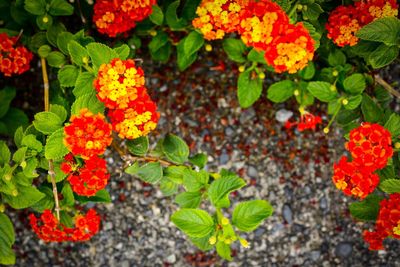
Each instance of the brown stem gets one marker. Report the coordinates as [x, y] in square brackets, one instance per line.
[387, 86]
[51, 172]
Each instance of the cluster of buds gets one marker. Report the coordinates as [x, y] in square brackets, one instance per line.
[113, 17]
[370, 148]
[345, 21]
[261, 24]
[14, 59]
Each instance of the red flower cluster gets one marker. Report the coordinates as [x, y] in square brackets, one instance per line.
[345, 21]
[14, 59]
[113, 17]
[48, 228]
[261, 24]
[370, 147]
[87, 135]
[88, 179]
[387, 224]
[121, 87]
[307, 121]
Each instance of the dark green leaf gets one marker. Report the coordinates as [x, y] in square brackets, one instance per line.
[322, 91]
[35, 7]
[60, 8]
[6, 96]
[150, 172]
[383, 56]
[371, 111]
[355, 84]
[249, 89]
[367, 209]
[393, 125]
[175, 149]
[157, 16]
[235, 49]
[385, 30]
[138, 146]
[281, 91]
[194, 41]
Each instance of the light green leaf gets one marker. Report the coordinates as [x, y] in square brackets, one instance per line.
[193, 222]
[138, 146]
[31, 142]
[59, 111]
[100, 54]
[175, 149]
[235, 49]
[390, 186]
[89, 101]
[55, 148]
[249, 89]
[219, 190]
[47, 122]
[194, 41]
[385, 30]
[200, 160]
[150, 172]
[393, 125]
[168, 187]
[7, 239]
[56, 59]
[5, 154]
[78, 53]
[188, 199]
[249, 214]
[383, 55]
[27, 196]
[223, 250]
[355, 84]
[322, 91]
[84, 84]
[123, 51]
[281, 91]
[67, 75]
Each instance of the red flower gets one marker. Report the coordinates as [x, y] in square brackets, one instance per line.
[354, 179]
[370, 145]
[49, 229]
[307, 121]
[87, 135]
[13, 59]
[387, 224]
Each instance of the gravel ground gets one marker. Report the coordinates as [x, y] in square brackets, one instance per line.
[311, 225]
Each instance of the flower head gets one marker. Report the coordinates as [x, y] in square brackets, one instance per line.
[118, 83]
[14, 59]
[87, 135]
[354, 179]
[48, 228]
[387, 224]
[370, 145]
[138, 10]
[137, 120]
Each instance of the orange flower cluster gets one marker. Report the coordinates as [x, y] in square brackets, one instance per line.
[14, 59]
[87, 135]
[387, 224]
[345, 21]
[370, 147]
[261, 24]
[88, 179]
[48, 228]
[113, 17]
[121, 87]
[307, 121]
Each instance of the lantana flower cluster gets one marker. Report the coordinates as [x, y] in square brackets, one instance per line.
[262, 25]
[120, 85]
[113, 17]
[345, 21]
[50, 229]
[370, 148]
[308, 121]
[387, 224]
[14, 58]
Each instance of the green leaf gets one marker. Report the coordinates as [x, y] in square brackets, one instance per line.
[123, 51]
[336, 58]
[385, 30]
[193, 222]
[175, 173]
[59, 111]
[19, 134]
[55, 148]
[168, 187]
[60, 8]
[35, 7]
[256, 56]
[47, 202]
[202, 242]
[5, 154]
[354, 102]
[223, 250]
[189, 9]
[281, 91]
[322, 91]
[44, 51]
[156, 16]
[31, 142]
[47, 122]
[235, 49]
[200, 160]
[175, 149]
[382, 56]
[220, 189]
[67, 75]
[19, 155]
[390, 186]
[101, 196]
[366, 210]
[194, 41]
[184, 61]
[393, 125]
[78, 53]
[68, 196]
[30, 169]
[172, 19]
[308, 72]
[314, 33]
[188, 199]
[249, 214]
[249, 89]
[7, 239]
[193, 180]
[150, 172]
[138, 146]
[371, 111]
[63, 40]
[27, 196]
[164, 53]
[133, 169]
[54, 31]
[100, 54]
[158, 41]
[84, 85]
[56, 59]
[44, 22]
[312, 11]
[89, 101]
[355, 84]
[6, 96]
[13, 119]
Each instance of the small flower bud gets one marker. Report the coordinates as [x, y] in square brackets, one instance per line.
[335, 73]
[212, 240]
[305, 8]
[299, 7]
[244, 243]
[241, 68]
[332, 88]
[301, 110]
[326, 130]
[8, 176]
[228, 241]
[23, 164]
[296, 92]
[224, 221]
[397, 145]
[2, 208]
[345, 102]
[208, 47]
[85, 60]
[153, 33]
[261, 75]
[45, 19]
[14, 192]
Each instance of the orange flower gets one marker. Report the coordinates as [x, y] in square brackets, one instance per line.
[138, 10]
[370, 145]
[371, 10]
[387, 224]
[119, 82]
[87, 135]
[354, 179]
[49, 229]
[139, 119]
[13, 59]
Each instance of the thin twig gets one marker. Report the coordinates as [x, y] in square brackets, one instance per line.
[387, 86]
[51, 172]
